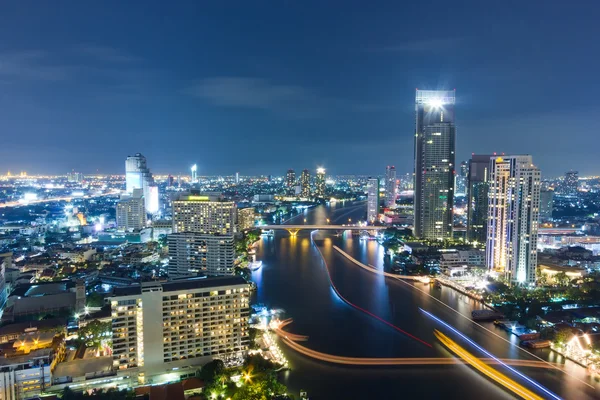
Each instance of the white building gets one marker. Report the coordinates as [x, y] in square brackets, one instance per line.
[204, 213]
[513, 213]
[138, 176]
[131, 211]
[390, 186]
[196, 253]
[461, 261]
[372, 200]
[161, 328]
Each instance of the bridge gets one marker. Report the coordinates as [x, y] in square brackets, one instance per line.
[294, 229]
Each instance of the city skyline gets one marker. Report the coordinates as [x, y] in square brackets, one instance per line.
[75, 92]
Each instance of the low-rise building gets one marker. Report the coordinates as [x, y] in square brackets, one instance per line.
[452, 263]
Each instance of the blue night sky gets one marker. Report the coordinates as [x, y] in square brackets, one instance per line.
[262, 86]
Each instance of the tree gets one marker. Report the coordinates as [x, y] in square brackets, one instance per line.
[94, 332]
[209, 371]
[94, 299]
[563, 335]
[561, 279]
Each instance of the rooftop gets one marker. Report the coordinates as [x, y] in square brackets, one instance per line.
[184, 284]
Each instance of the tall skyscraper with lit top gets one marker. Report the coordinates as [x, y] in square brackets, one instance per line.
[513, 214]
[305, 183]
[435, 140]
[320, 183]
[138, 176]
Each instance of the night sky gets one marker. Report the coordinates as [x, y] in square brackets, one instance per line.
[262, 86]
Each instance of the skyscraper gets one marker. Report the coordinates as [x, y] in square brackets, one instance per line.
[391, 186]
[571, 183]
[372, 200]
[131, 212]
[460, 182]
[203, 213]
[513, 213]
[320, 183]
[290, 181]
[477, 204]
[196, 253]
[305, 183]
[137, 175]
[435, 137]
[194, 171]
[546, 204]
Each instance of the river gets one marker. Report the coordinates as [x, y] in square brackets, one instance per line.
[294, 278]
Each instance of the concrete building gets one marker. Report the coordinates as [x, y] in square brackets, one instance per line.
[571, 183]
[546, 205]
[372, 200]
[196, 253]
[161, 227]
[391, 186]
[131, 212]
[138, 176]
[204, 213]
[290, 181]
[435, 140]
[74, 177]
[461, 261]
[320, 183]
[245, 218]
[477, 203]
[163, 327]
[513, 214]
[305, 184]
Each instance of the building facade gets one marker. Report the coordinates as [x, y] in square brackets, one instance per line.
[320, 183]
[245, 218]
[571, 183]
[305, 184]
[164, 326]
[138, 176]
[204, 213]
[391, 187]
[372, 200]
[435, 138]
[546, 205]
[196, 253]
[131, 211]
[513, 214]
[290, 181]
[477, 200]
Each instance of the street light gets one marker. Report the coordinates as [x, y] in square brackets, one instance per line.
[305, 220]
[327, 220]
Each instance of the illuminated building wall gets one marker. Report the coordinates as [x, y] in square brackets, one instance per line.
[372, 200]
[138, 176]
[162, 326]
[513, 213]
[391, 186]
[435, 138]
[131, 213]
[196, 253]
[320, 183]
[305, 184]
[546, 205]
[245, 218]
[477, 200]
[290, 181]
[571, 183]
[204, 213]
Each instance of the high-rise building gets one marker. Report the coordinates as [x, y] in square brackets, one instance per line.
[372, 200]
[245, 218]
[546, 205]
[197, 253]
[513, 214]
[460, 181]
[320, 183]
[391, 186]
[435, 138]
[477, 201]
[170, 181]
[5, 262]
[571, 183]
[237, 178]
[138, 176]
[167, 326]
[305, 184]
[194, 171]
[131, 211]
[203, 213]
[290, 181]
[75, 177]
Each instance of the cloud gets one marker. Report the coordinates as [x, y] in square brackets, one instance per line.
[422, 46]
[31, 65]
[256, 93]
[109, 54]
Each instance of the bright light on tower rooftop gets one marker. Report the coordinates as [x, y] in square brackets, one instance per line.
[320, 170]
[435, 102]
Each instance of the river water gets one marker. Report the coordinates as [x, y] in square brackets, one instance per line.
[294, 278]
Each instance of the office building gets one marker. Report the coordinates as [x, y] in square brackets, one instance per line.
[138, 176]
[546, 205]
[305, 184]
[435, 139]
[290, 181]
[200, 254]
[203, 213]
[245, 218]
[391, 187]
[372, 200]
[237, 178]
[477, 200]
[513, 214]
[571, 183]
[131, 212]
[163, 327]
[194, 171]
[460, 180]
[74, 177]
[320, 183]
